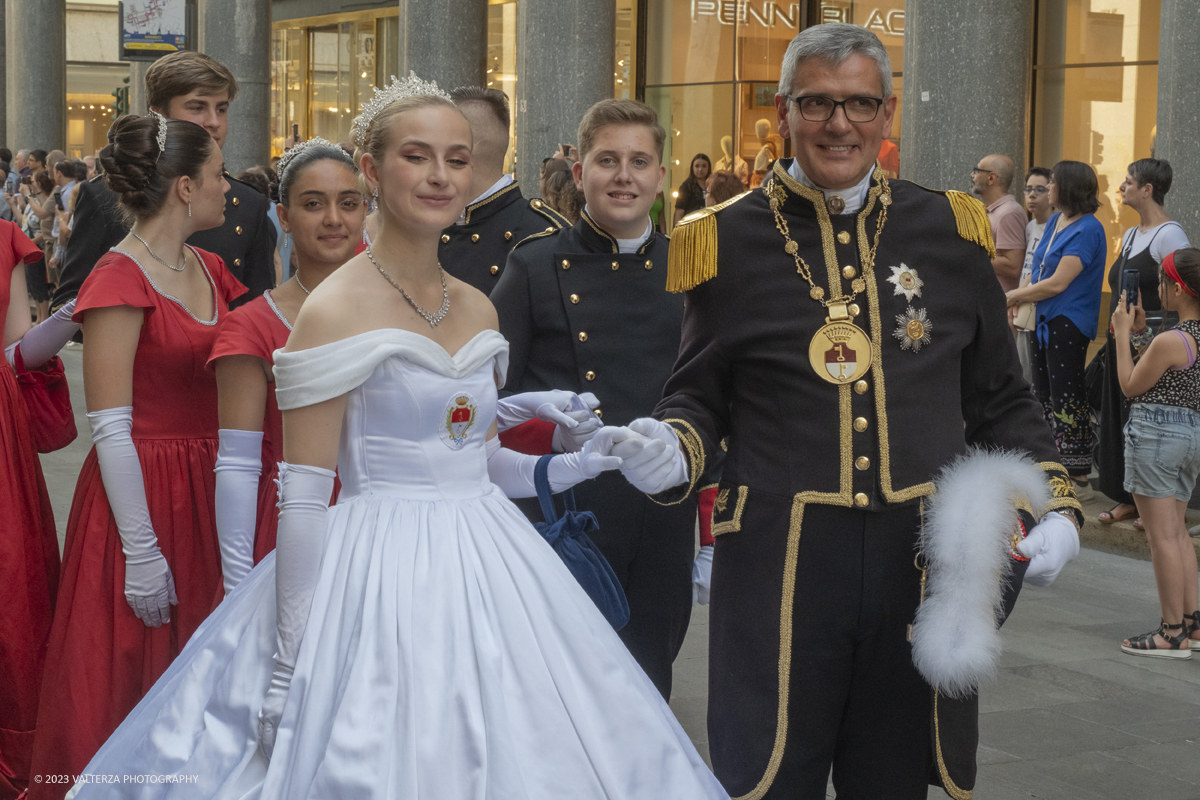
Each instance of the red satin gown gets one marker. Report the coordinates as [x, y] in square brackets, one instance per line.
[102, 658]
[28, 552]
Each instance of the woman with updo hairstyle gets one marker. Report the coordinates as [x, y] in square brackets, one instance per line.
[141, 565]
[322, 209]
[419, 638]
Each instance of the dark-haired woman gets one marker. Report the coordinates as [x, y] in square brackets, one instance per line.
[29, 563]
[690, 196]
[1068, 270]
[322, 207]
[1143, 248]
[141, 565]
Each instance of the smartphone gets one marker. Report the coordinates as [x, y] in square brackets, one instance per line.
[295, 131]
[1129, 284]
[58, 202]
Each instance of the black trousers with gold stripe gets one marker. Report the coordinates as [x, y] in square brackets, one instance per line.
[810, 664]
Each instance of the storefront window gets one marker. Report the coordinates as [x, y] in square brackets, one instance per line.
[1096, 94]
[289, 99]
[502, 63]
[625, 74]
[90, 101]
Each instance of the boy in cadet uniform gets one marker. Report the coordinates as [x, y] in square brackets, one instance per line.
[585, 308]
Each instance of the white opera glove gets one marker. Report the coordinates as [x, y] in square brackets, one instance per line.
[566, 410]
[41, 342]
[149, 587]
[513, 471]
[239, 465]
[304, 493]
[652, 459]
[570, 440]
[702, 575]
[1050, 546]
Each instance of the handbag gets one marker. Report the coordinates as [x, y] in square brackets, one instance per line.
[48, 400]
[1026, 316]
[568, 536]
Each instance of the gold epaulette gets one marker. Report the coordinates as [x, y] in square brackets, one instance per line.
[971, 217]
[537, 235]
[539, 205]
[692, 257]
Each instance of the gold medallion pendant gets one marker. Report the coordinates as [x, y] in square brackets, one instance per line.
[840, 352]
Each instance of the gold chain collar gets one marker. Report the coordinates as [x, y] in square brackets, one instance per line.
[839, 303]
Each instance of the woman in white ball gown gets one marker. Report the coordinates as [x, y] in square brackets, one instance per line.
[418, 639]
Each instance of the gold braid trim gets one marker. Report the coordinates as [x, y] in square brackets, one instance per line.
[949, 785]
[971, 217]
[692, 257]
[693, 446]
[1062, 490]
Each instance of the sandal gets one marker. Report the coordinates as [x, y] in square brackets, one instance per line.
[1193, 621]
[1137, 523]
[1144, 645]
[1108, 517]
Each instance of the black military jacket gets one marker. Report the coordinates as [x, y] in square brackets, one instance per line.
[476, 251]
[244, 242]
[580, 316]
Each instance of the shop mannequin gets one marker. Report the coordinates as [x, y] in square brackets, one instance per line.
[735, 164]
[767, 152]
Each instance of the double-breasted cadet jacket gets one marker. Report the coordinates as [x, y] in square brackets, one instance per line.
[476, 251]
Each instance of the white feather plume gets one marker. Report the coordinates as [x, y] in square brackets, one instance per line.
[969, 522]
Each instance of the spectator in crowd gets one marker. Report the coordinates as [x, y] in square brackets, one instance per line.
[256, 181]
[690, 196]
[1037, 203]
[563, 195]
[90, 163]
[65, 178]
[992, 181]
[549, 167]
[20, 166]
[1162, 455]
[1068, 270]
[722, 185]
[37, 162]
[54, 157]
[1143, 248]
[39, 223]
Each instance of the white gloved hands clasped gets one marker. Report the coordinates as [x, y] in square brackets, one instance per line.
[572, 415]
[1050, 546]
[651, 458]
[702, 575]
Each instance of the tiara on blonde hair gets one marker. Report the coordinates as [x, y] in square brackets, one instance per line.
[411, 86]
[297, 149]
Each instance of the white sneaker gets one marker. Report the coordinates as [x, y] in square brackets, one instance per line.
[1084, 492]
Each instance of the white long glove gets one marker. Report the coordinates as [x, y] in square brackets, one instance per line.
[1050, 546]
[513, 471]
[304, 493]
[550, 406]
[702, 575]
[652, 460]
[41, 342]
[239, 465]
[149, 587]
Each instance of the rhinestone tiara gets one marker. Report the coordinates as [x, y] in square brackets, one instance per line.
[296, 150]
[396, 90]
[161, 135]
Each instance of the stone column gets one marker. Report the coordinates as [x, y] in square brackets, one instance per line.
[564, 65]
[238, 34]
[443, 41]
[36, 95]
[966, 88]
[4, 79]
[137, 87]
[1178, 115]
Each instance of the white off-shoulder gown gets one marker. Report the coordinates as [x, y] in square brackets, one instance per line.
[448, 654]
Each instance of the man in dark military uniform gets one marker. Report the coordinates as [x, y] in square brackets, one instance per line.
[193, 87]
[850, 342]
[585, 308]
[476, 248]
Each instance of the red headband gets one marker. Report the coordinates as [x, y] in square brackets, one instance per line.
[1172, 273]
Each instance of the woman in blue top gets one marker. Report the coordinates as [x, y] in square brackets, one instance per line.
[1068, 270]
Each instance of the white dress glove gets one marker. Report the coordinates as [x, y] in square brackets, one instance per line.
[41, 342]
[149, 587]
[652, 459]
[550, 406]
[304, 493]
[702, 575]
[1050, 546]
[239, 465]
[513, 471]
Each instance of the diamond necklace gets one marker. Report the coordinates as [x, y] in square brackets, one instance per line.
[296, 275]
[432, 319]
[155, 255]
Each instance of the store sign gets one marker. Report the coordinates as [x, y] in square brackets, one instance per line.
[153, 28]
[883, 22]
[746, 12]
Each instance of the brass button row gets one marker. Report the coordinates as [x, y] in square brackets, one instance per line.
[445, 238]
[236, 201]
[843, 237]
[591, 376]
[860, 387]
[861, 424]
[495, 270]
[862, 463]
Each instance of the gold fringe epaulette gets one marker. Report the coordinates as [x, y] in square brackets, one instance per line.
[692, 259]
[971, 217]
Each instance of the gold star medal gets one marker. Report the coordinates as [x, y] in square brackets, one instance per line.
[913, 327]
[906, 281]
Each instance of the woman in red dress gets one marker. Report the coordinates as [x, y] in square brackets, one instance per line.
[28, 543]
[321, 206]
[141, 563]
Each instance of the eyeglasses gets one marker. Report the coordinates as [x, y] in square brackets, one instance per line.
[977, 170]
[818, 108]
[1038, 190]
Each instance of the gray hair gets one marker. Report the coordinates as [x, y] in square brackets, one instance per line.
[834, 42]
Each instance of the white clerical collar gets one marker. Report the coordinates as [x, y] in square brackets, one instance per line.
[854, 197]
[504, 181]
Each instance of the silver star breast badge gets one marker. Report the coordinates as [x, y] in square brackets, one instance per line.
[906, 281]
[912, 329]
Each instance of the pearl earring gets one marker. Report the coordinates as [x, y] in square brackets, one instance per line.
[189, 208]
[287, 239]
